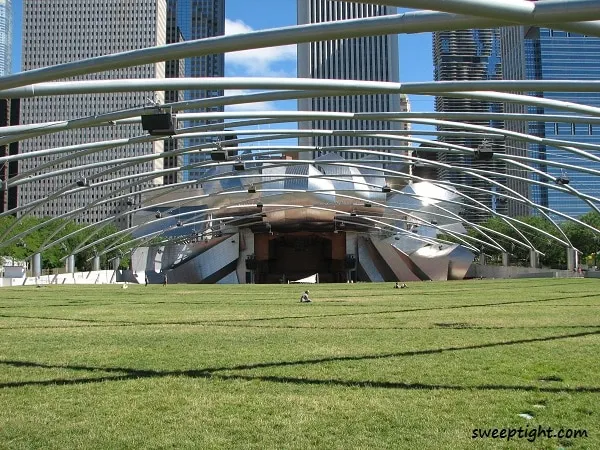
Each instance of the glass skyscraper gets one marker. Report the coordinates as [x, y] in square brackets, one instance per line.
[189, 20]
[5, 37]
[470, 55]
[558, 55]
[372, 58]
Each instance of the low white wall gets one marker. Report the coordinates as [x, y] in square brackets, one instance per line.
[487, 271]
[92, 277]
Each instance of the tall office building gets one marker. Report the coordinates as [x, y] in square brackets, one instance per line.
[513, 68]
[9, 109]
[465, 55]
[173, 69]
[62, 31]
[196, 19]
[5, 37]
[373, 58]
[546, 54]
[9, 115]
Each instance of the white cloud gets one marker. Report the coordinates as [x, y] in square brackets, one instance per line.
[258, 106]
[266, 62]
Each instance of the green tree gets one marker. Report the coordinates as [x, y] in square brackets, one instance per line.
[585, 240]
[55, 255]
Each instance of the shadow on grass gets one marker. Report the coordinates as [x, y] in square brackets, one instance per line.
[440, 308]
[435, 327]
[7, 316]
[207, 373]
[127, 303]
[310, 316]
[302, 327]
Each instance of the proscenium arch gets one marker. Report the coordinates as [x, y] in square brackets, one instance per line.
[180, 201]
[323, 162]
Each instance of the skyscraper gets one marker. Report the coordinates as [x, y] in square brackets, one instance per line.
[5, 37]
[9, 115]
[513, 68]
[9, 109]
[69, 30]
[173, 69]
[546, 54]
[196, 19]
[372, 58]
[464, 55]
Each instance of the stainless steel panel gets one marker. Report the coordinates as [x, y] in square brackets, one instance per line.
[460, 262]
[365, 260]
[433, 261]
[396, 260]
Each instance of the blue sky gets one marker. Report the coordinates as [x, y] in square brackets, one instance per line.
[17, 19]
[415, 50]
[415, 53]
[245, 15]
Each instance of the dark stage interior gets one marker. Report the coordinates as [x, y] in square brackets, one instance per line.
[291, 256]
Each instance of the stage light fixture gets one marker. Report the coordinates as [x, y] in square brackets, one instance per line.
[483, 152]
[563, 179]
[159, 124]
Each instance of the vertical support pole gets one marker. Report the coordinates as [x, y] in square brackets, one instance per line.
[504, 259]
[571, 258]
[36, 265]
[116, 262]
[96, 263]
[533, 259]
[71, 264]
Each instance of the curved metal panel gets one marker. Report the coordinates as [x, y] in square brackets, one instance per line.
[433, 261]
[398, 261]
[460, 262]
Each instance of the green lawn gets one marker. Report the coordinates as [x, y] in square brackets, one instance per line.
[363, 366]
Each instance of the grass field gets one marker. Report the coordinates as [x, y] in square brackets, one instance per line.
[363, 366]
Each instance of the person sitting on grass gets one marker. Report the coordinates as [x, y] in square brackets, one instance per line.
[304, 298]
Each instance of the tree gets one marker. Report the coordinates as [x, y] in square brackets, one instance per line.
[553, 254]
[585, 240]
[55, 255]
